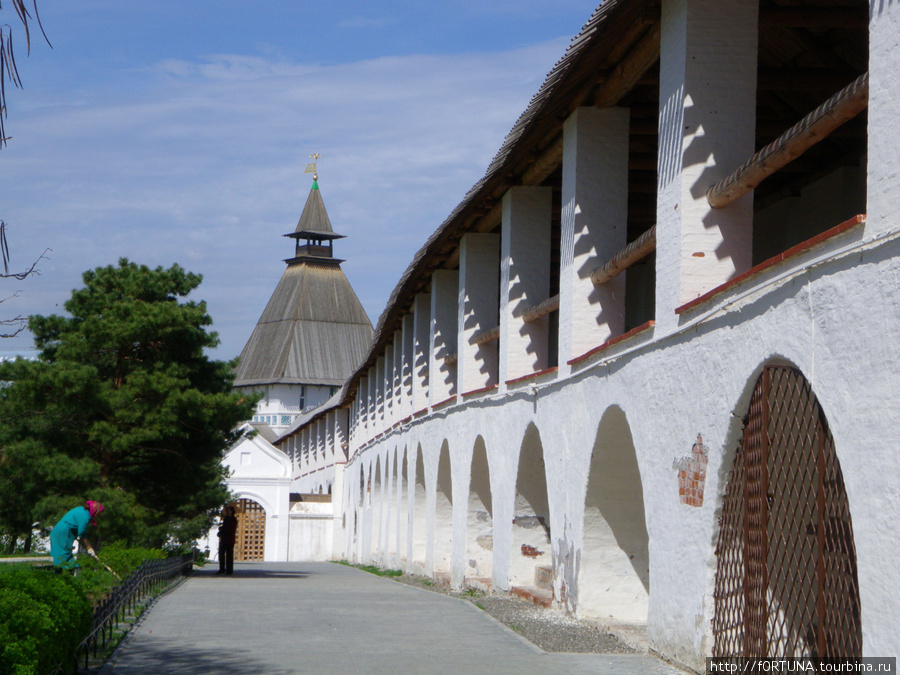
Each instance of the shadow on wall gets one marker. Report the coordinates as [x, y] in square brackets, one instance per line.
[480, 516]
[614, 579]
[419, 524]
[443, 513]
[531, 515]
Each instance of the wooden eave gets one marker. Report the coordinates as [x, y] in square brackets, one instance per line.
[601, 65]
[804, 52]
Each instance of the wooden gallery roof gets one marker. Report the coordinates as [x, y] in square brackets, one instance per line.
[314, 330]
[595, 70]
[808, 49]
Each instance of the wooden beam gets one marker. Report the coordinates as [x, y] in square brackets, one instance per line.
[814, 17]
[487, 336]
[639, 249]
[644, 127]
[771, 129]
[631, 31]
[548, 161]
[843, 106]
[630, 70]
[532, 314]
[801, 79]
[641, 162]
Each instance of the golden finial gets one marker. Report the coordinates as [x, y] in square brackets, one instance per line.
[311, 168]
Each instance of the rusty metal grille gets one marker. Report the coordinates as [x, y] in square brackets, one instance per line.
[786, 582]
[251, 532]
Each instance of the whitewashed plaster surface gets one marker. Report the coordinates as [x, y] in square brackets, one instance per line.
[670, 389]
[832, 312]
[261, 472]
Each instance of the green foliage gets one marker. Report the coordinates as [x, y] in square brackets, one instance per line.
[122, 407]
[43, 617]
[372, 569]
[378, 571]
[123, 560]
[95, 580]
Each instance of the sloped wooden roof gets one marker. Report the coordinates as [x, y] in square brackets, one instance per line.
[319, 349]
[314, 219]
[314, 330]
[805, 45]
[564, 89]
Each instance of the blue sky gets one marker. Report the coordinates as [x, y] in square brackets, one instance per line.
[172, 132]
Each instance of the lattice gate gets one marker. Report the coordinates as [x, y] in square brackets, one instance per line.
[786, 582]
[251, 533]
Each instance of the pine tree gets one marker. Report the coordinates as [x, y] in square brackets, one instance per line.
[123, 405]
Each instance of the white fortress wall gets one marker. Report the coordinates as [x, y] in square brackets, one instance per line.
[559, 462]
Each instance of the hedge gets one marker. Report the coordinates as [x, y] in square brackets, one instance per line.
[44, 615]
[43, 618]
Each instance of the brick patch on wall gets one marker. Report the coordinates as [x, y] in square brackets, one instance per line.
[692, 474]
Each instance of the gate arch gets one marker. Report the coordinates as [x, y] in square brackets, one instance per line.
[786, 581]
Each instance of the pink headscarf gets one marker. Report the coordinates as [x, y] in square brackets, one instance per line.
[94, 508]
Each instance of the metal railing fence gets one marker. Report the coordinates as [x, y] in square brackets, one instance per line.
[148, 580]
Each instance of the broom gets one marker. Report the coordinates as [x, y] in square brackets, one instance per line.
[91, 553]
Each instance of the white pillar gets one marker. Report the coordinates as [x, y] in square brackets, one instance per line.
[524, 280]
[388, 386]
[397, 400]
[372, 404]
[443, 336]
[883, 184]
[707, 129]
[323, 441]
[341, 440]
[421, 354]
[593, 228]
[353, 417]
[330, 449]
[479, 310]
[304, 451]
[340, 507]
[407, 364]
[380, 421]
[362, 395]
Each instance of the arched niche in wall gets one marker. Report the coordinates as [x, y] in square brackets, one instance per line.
[443, 513]
[377, 508]
[614, 571]
[530, 560]
[479, 517]
[420, 521]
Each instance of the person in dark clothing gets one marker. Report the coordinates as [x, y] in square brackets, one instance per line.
[227, 534]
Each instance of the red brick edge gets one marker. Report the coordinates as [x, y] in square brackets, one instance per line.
[446, 401]
[855, 221]
[531, 376]
[480, 391]
[612, 341]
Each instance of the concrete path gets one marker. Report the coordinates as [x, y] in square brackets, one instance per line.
[282, 618]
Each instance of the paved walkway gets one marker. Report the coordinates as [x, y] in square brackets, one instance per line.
[283, 618]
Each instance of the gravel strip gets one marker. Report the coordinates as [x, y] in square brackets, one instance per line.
[549, 629]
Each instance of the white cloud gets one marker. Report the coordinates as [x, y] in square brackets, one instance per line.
[201, 163]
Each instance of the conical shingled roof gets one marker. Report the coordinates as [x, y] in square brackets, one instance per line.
[314, 219]
[314, 329]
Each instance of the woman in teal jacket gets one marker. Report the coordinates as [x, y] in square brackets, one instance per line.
[73, 526]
